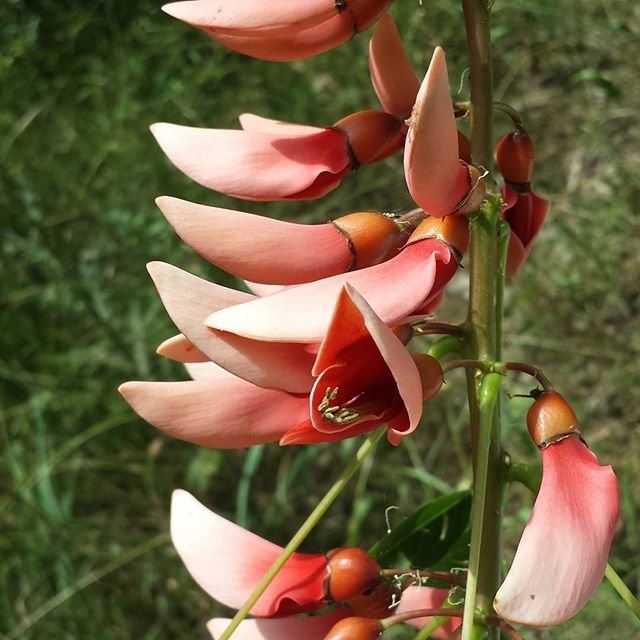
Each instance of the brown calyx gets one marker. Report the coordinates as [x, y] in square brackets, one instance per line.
[452, 231]
[372, 135]
[551, 418]
[372, 237]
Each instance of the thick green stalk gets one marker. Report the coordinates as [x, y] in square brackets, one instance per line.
[483, 341]
[305, 529]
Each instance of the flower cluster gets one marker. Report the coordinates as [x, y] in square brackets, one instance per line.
[319, 349]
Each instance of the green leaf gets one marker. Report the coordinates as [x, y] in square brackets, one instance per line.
[427, 535]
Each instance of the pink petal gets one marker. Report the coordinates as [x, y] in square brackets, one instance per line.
[436, 179]
[252, 16]
[216, 409]
[189, 300]
[563, 552]
[258, 124]
[253, 165]
[307, 627]
[228, 562]
[394, 80]
[181, 349]
[394, 289]
[287, 47]
[414, 598]
[258, 248]
[353, 322]
[526, 213]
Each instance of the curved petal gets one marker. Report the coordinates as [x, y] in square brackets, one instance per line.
[437, 180]
[563, 552]
[394, 289]
[287, 47]
[252, 165]
[216, 409]
[189, 300]
[258, 124]
[252, 16]
[357, 334]
[257, 248]
[307, 627]
[181, 349]
[525, 213]
[414, 598]
[228, 562]
[394, 80]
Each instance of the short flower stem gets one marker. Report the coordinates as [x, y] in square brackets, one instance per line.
[429, 327]
[366, 449]
[623, 591]
[529, 369]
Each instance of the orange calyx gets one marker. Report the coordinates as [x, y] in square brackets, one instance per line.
[372, 135]
[355, 629]
[351, 573]
[372, 237]
[550, 418]
[452, 231]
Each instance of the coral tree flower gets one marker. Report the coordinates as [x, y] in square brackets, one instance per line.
[269, 160]
[280, 30]
[524, 210]
[364, 378]
[269, 251]
[415, 598]
[407, 284]
[228, 562]
[438, 180]
[563, 553]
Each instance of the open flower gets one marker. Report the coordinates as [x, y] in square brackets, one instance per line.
[563, 552]
[365, 377]
[402, 286]
[270, 160]
[280, 30]
[268, 251]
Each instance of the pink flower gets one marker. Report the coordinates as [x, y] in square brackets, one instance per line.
[563, 552]
[365, 377]
[270, 160]
[525, 212]
[395, 289]
[439, 182]
[279, 30]
[415, 598]
[228, 561]
[269, 251]
[307, 627]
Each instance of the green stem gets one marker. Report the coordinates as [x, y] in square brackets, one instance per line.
[623, 591]
[441, 348]
[504, 232]
[487, 400]
[305, 529]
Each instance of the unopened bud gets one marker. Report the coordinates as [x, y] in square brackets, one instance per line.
[372, 135]
[351, 572]
[514, 156]
[551, 418]
[452, 231]
[372, 237]
[355, 629]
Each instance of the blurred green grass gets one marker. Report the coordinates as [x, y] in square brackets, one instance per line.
[84, 485]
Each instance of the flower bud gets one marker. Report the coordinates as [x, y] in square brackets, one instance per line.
[355, 629]
[372, 237]
[551, 418]
[514, 156]
[452, 231]
[372, 135]
[351, 572]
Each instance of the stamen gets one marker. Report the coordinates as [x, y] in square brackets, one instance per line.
[335, 413]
